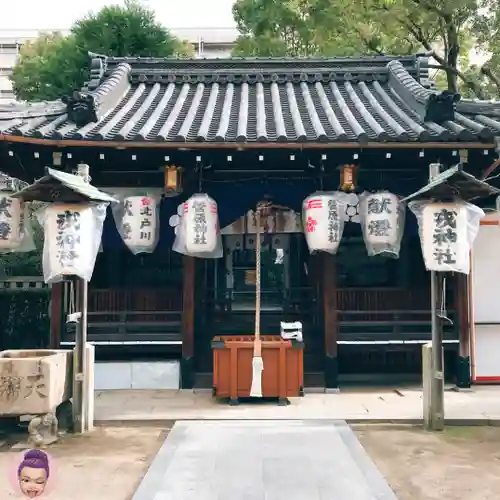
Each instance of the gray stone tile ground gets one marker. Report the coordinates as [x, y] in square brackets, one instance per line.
[263, 460]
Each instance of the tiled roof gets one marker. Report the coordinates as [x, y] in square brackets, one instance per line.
[371, 99]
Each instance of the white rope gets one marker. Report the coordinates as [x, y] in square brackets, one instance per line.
[72, 298]
[443, 298]
[257, 362]
[257, 274]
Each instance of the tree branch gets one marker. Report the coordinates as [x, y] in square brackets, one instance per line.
[430, 5]
[369, 44]
[417, 33]
[486, 71]
[470, 84]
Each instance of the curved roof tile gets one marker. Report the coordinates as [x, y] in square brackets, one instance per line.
[377, 99]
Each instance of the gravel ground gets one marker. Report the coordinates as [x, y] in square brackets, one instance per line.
[108, 464]
[459, 463]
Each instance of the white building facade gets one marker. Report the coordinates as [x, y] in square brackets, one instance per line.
[485, 313]
[207, 43]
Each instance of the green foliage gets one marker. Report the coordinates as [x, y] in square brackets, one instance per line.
[447, 28]
[313, 27]
[54, 65]
[118, 31]
[48, 68]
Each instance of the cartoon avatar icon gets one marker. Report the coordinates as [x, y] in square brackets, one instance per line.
[33, 473]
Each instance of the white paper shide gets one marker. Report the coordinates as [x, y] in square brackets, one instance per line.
[382, 221]
[11, 222]
[72, 237]
[139, 223]
[323, 221]
[447, 232]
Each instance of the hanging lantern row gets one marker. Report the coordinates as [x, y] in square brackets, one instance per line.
[447, 230]
[381, 216]
[324, 215]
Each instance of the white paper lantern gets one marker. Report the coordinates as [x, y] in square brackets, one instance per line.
[139, 223]
[200, 224]
[380, 214]
[444, 236]
[72, 237]
[323, 221]
[11, 222]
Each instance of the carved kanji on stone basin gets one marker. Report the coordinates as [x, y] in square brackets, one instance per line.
[35, 382]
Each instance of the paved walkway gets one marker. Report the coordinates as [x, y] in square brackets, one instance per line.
[249, 460]
[481, 406]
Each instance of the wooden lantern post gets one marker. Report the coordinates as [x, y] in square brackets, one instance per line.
[61, 187]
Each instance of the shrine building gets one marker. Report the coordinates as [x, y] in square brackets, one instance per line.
[243, 130]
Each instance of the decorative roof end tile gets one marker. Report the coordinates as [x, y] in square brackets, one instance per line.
[441, 107]
[98, 67]
[81, 108]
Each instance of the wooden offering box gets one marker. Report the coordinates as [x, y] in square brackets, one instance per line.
[283, 374]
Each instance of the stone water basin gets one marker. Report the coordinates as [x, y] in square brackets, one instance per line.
[34, 382]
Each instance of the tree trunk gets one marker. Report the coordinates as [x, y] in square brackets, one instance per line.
[486, 71]
[452, 57]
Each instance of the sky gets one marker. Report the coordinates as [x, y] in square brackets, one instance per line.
[60, 14]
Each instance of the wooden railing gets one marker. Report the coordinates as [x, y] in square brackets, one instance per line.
[387, 315]
[382, 299]
[135, 299]
[301, 299]
[348, 299]
[139, 316]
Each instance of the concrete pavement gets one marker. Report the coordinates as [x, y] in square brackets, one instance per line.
[262, 460]
[481, 406]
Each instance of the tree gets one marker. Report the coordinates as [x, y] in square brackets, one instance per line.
[310, 27]
[445, 28]
[131, 30]
[487, 31]
[54, 65]
[48, 68]
[440, 27]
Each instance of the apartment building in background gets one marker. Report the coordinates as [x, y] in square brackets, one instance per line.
[207, 43]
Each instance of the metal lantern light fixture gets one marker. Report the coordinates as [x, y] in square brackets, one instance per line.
[348, 178]
[172, 180]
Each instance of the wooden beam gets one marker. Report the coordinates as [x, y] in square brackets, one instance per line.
[56, 315]
[61, 143]
[330, 320]
[188, 311]
[463, 372]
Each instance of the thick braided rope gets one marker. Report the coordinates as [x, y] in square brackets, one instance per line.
[257, 274]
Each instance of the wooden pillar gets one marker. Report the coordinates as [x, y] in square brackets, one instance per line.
[56, 312]
[188, 296]
[463, 373]
[330, 320]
